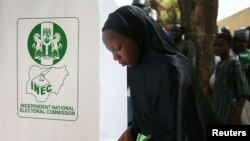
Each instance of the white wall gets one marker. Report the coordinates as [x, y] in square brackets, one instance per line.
[102, 98]
[86, 127]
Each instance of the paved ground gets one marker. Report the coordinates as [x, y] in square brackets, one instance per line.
[246, 113]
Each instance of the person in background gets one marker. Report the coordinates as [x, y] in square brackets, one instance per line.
[224, 30]
[185, 46]
[240, 47]
[166, 98]
[140, 3]
[144, 4]
[248, 28]
[230, 88]
[240, 41]
[241, 37]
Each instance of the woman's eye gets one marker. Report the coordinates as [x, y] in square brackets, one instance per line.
[116, 48]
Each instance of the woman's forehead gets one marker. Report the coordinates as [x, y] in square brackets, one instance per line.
[111, 35]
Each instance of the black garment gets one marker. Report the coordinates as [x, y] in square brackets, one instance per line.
[166, 98]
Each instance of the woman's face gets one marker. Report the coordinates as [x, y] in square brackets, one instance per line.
[124, 49]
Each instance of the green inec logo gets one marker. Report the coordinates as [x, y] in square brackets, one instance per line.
[47, 43]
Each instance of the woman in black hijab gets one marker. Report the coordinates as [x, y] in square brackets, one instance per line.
[166, 99]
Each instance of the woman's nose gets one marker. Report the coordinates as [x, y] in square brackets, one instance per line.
[116, 56]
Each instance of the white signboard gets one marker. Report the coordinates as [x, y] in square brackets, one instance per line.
[47, 68]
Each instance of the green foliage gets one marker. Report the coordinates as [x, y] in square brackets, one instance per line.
[171, 13]
[168, 3]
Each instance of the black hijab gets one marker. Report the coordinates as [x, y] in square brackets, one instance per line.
[166, 98]
[134, 23]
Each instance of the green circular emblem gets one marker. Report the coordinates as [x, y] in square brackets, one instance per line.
[47, 43]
